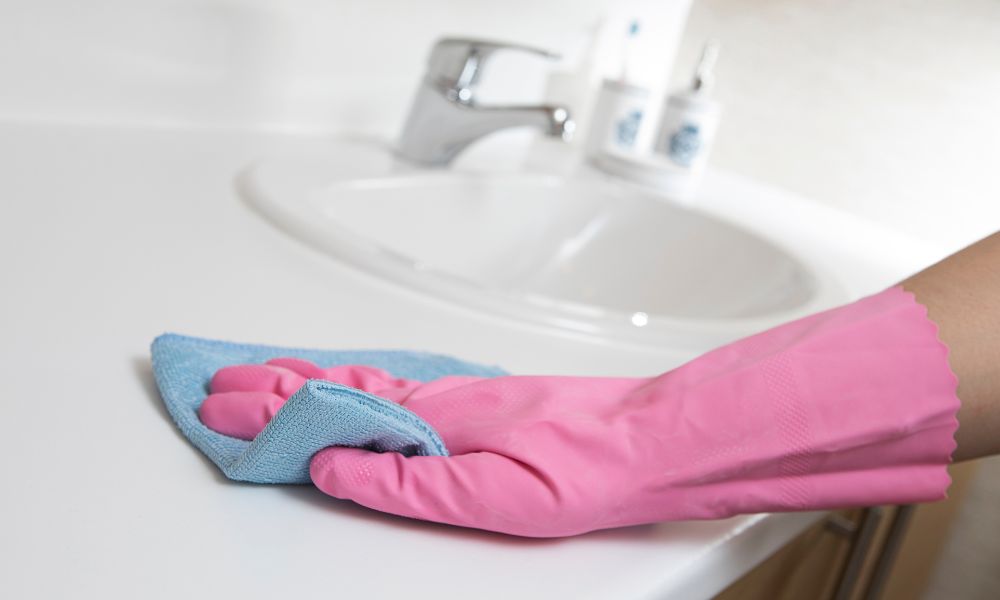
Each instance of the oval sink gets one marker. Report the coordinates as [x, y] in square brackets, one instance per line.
[586, 254]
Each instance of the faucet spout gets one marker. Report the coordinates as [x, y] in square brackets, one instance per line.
[439, 127]
[554, 121]
[445, 118]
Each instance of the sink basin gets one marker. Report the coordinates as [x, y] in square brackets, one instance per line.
[585, 254]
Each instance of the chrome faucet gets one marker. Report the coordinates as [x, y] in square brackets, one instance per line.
[445, 117]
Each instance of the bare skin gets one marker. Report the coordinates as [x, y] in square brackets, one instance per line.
[962, 295]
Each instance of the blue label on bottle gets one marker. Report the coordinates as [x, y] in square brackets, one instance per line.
[684, 144]
[627, 128]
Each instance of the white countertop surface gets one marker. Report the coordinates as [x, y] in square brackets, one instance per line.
[110, 236]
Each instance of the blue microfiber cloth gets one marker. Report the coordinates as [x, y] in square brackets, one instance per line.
[320, 414]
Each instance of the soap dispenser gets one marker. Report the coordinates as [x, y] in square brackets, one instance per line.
[690, 119]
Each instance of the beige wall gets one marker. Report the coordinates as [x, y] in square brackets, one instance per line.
[888, 108]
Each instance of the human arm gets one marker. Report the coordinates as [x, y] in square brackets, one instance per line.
[962, 296]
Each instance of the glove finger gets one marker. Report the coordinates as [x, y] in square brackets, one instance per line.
[368, 379]
[306, 369]
[257, 378]
[481, 489]
[417, 391]
[239, 414]
[363, 377]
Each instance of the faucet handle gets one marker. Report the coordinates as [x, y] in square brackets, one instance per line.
[455, 64]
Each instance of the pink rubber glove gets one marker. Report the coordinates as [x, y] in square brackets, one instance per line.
[850, 407]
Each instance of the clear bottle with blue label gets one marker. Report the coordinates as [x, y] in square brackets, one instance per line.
[690, 119]
[618, 118]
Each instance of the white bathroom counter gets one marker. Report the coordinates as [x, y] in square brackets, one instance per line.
[110, 237]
